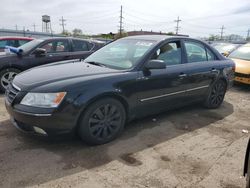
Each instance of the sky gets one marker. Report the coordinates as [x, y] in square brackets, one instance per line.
[199, 18]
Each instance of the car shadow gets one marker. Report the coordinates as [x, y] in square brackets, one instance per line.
[39, 157]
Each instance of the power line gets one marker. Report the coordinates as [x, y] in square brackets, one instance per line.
[63, 23]
[177, 25]
[222, 31]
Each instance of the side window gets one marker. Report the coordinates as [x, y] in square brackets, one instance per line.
[80, 45]
[170, 53]
[56, 46]
[3, 43]
[11, 43]
[195, 52]
[210, 55]
[48, 47]
[61, 46]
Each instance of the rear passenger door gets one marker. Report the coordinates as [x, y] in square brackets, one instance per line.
[201, 68]
[81, 49]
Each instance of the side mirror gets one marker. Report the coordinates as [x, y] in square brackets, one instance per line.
[155, 64]
[40, 52]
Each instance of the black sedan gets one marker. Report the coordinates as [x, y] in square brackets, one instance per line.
[43, 51]
[126, 79]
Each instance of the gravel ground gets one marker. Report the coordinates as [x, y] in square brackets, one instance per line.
[188, 147]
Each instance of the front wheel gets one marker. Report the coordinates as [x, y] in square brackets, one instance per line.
[6, 76]
[216, 94]
[102, 122]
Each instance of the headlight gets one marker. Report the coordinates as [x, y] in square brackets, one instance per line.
[43, 100]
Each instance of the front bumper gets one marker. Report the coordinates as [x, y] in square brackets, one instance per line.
[242, 80]
[46, 124]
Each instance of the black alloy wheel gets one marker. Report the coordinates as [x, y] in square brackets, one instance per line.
[102, 121]
[216, 94]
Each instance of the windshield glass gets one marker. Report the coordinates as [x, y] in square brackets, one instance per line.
[121, 54]
[225, 47]
[241, 53]
[30, 45]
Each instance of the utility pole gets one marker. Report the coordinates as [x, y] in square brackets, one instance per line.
[177, 28]
[34, 26]
[63, 23]
[222, 32]
[248, 33]
[16, 27]
[120, 23]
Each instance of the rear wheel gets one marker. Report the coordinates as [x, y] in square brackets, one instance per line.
[216, 94]
[102, 122]
[6, 76]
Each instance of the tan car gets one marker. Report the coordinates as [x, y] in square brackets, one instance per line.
[241, 57]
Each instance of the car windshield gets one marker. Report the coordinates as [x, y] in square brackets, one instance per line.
[30, 45]
[121, 54]
[241, 53]
[222, 48]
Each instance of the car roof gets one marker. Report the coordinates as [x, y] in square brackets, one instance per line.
[14, 37]
[156, 37]
[51, 38]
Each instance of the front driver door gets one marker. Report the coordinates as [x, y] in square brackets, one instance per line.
[160, 89]
[56, 50]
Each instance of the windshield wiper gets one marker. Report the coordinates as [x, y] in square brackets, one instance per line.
[96, 63]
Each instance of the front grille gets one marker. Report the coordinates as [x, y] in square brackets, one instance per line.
[242, 75]
[11, 92]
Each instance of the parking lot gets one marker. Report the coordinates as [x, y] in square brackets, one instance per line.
[188, 147]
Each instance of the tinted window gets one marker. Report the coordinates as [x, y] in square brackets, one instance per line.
[3, 43]
[56, 46]
[12, 43]
[170, 53]
[195, 52]
[80, 45]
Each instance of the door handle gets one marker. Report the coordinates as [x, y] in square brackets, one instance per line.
[214, 70]
[182, 75]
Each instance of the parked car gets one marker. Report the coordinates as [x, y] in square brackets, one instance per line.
[241, 57]
[43, 51]
[225, 48]
[13, 41]
[126, 79]
[246, 171]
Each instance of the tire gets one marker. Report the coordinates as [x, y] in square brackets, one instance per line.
[6, 76]
[102, 121]
[216, 95]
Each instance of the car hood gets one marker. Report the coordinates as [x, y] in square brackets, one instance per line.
[60, 71]
[242, 66]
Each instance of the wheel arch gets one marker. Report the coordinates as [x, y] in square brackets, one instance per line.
[113, 95]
